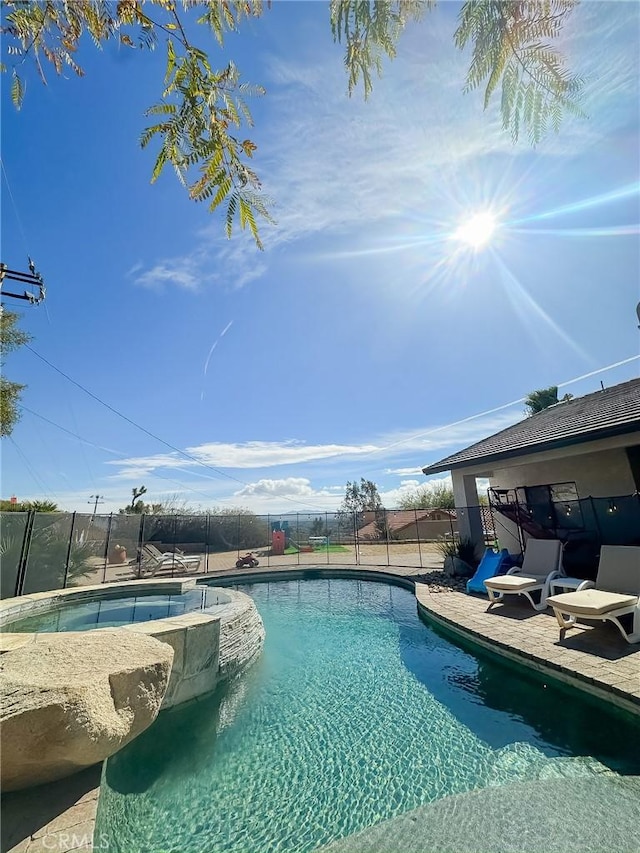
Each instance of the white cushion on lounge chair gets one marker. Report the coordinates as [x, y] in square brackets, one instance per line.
[542, 562]
[616, 596]
[513, 583]
[592, 601]
[170, 556]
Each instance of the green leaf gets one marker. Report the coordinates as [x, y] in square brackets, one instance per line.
[159, 165]
[223, 191]
[231, 212]
[171, 60]
[17, 90]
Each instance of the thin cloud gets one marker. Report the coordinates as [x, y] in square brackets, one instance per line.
[252, 454]
[268, 454]
[180, 272]
[334, 183]
[213, 346]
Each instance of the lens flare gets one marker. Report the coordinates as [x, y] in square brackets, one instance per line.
[477, 231]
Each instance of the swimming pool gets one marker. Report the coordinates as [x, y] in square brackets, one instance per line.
[359, 717]
[113, 612]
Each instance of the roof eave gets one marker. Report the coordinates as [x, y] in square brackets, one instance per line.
[568, 441]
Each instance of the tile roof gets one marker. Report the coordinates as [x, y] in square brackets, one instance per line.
[398, 519]
[612, 411]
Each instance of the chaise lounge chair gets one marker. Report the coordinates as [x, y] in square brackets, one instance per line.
[616, 594]
[542, 563]
[188, 562]
[152, 556]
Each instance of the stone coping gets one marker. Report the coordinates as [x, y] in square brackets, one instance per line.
[597, 660]
[311, 573]
[14, 609]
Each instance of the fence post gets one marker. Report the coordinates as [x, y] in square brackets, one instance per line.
[326, 533]
[595, 518]
[491, 523]
[206, 545]
[140, 541]
[415, 512]
[355, 537]
[518, 525]
[298, 535]
[24, 552]
[269, 539]
[386, 535]
[106, 548]
[66, 565]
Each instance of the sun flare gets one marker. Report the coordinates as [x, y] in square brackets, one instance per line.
[477, 231]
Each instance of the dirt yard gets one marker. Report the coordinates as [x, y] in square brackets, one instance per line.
[405, 556]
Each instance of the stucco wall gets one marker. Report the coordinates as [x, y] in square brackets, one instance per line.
[603, 474]
[426, 530]
[600, 469]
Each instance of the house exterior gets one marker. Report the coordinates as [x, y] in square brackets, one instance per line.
[570, 470]
[409, 524]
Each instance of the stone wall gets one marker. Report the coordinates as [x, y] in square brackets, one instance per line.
[241, 636]
[207, 647]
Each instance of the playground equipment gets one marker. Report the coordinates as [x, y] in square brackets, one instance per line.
[279, 537]
[493, 563]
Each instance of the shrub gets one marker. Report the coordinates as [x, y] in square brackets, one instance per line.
[464, 549]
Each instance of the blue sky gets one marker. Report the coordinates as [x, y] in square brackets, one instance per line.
[364, 340]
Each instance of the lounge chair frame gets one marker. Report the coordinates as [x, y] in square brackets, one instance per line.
[567, 620]
[538, 584]
[152, 560]
[607, 580]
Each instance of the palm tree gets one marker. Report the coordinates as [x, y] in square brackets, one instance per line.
[541, 399]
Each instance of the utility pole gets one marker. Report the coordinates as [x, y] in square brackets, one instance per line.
[95, 500]
[33, 279]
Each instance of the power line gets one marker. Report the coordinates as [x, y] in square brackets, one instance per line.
[109, 450]
[36, 478]
[133, 423]
[122, 455]
[221, 473]
[15, 207]
[497, 408]
[155, 437]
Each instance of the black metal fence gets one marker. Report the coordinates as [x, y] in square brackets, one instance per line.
[583, 525]
[43, 551]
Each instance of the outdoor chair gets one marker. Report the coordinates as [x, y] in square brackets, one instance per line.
[169, 558]
[615, 597]
[143, 565]
[541, 564]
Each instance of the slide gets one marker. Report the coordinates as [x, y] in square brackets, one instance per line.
[493, 563]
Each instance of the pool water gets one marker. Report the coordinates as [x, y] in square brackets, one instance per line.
[359, 716]
[114, 612]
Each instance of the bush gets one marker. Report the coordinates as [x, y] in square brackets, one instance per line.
[464, 549]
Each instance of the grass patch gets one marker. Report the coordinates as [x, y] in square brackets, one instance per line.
[319, 549]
